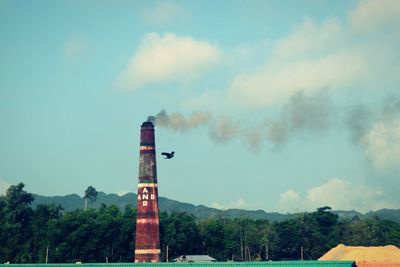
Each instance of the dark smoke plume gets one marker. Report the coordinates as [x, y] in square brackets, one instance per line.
[223, 129]
[391, 108]
[304, 115]
[358, 120]
[178, 122]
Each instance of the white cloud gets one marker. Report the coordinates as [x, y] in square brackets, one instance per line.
[76, 47]
[310, 40]
[4, 185]
[311, 58]
[123, 192]
[330, 54]
[276, 82]
[337, 193]
[382, 143]
[164, 13]
[314, 56]
[289, 197]
[167, 58]
[238, 204]
[373, 14]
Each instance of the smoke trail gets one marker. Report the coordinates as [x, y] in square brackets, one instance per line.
[223, 129]
[301, 115]
[391, 108]
[178, 122]
[305, 115]
[357, 121]
[253, 137]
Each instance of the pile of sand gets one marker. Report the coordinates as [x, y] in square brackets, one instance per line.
[387, 254]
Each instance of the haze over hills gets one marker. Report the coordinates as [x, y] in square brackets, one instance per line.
[74, 201]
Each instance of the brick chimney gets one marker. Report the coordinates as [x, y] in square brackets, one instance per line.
[147, 245]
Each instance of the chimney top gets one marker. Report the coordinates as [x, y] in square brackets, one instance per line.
[148, 124]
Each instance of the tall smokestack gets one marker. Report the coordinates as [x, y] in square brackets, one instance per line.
[147, 245]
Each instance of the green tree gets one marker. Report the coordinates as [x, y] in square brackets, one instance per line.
[3, 228]
[214, 238]
[16, 225]
[324, 234]
[289, 240]
[313, 233]
[232, 237]
[260, 235]
[74, 236]
[43, 216]
[90, 194]
[109, 221]
[371, 232]
[180, 233]
[126, 241]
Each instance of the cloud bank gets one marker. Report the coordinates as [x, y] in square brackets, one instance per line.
[375, 14]
[359, 51]
[167, 58]
[382, 144]
[314, 56]
[337, 193]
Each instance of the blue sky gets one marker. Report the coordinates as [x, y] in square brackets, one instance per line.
[276, 105]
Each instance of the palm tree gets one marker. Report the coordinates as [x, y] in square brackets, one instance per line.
[90, 194]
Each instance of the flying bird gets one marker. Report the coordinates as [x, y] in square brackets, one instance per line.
[168, 155]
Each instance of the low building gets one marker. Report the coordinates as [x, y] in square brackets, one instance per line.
[194, 258]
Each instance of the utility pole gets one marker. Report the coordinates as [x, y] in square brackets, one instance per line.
[47, 254]
[241, 244]
[301, 253]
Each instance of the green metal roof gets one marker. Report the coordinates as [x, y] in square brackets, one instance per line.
[201, 264]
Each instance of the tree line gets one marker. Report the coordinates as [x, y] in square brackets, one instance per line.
[107, 234]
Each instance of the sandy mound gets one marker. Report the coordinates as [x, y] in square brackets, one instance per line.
[386, 254]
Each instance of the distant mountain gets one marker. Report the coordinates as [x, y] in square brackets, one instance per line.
[74, 201]
[386, 214]
[383, 214]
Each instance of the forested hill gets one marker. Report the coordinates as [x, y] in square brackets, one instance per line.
[107, 234]
[74, 201]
